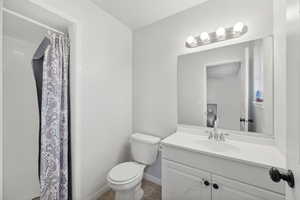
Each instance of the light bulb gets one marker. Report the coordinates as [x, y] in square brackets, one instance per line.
[204, 37]
[191, 40]
[221, 33]
[238, 28]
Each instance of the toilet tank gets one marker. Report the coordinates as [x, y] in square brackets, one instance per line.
[144, 148]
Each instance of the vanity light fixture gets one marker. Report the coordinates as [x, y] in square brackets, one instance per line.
[191, 40]
[220, 34]
[205, 38]
[238, 28]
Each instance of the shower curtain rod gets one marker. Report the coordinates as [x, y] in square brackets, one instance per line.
[31, 20]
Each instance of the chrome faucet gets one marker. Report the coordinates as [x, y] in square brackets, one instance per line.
[214, 133]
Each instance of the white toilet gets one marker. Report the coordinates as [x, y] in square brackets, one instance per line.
[125, 178]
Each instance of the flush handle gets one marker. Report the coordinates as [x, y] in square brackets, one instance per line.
[287, 176]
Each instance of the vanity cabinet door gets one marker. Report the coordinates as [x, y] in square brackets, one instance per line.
[226, 189]
[181, 182]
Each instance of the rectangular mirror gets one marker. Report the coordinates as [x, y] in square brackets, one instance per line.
[233, 84]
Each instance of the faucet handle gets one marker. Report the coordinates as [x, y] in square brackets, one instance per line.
[210, 134]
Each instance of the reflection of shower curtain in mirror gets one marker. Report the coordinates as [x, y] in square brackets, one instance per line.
[51, 71]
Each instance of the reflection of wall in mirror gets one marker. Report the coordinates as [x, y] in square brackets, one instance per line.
[191, 82]
[223, 89]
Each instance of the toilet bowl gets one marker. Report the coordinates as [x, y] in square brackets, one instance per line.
[126, 178]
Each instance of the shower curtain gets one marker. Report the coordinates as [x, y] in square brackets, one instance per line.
[51, 71]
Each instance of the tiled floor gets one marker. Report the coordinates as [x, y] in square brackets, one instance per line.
[151, 192]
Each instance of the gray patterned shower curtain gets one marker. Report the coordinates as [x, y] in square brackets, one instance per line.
[55, 162]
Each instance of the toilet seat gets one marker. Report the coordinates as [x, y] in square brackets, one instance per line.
[125, 172]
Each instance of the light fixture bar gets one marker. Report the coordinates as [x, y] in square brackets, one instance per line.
[230, 33]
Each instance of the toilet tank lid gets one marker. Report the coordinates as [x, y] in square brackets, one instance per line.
[145, 138]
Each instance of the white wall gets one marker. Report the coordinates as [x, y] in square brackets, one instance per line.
[102, 97]
[1, 104]
[21, 121]
[157, 46]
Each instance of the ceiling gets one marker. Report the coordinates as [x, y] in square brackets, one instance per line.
[32, 10]
[18, 28]
[139, 13]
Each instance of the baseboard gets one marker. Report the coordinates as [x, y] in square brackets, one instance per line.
[153, 179]
[99, 193]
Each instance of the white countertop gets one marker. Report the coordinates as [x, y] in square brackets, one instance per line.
[265, 155]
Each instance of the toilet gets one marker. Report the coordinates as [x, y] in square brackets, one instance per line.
[126, 178]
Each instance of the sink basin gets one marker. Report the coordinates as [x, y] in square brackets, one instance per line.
[264, 154]
[218, 146]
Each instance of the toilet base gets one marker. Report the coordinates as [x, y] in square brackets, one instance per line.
[136, 193]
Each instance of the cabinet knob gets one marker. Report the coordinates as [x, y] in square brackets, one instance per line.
[288, 176]
[206, 183]
[215, 186]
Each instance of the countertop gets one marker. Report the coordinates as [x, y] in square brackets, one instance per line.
[264, 155]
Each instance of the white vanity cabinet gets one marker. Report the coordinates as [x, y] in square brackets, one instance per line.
[227, 189]
[190, 172]
[180, 182]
